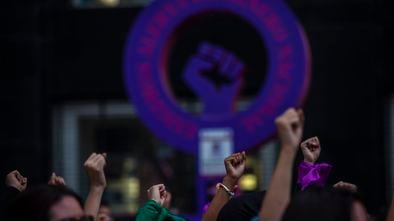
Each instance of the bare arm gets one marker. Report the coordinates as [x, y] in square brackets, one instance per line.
[94, 166]
[235, 166]
[290, 128]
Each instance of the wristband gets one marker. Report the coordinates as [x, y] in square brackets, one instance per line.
[226, 189]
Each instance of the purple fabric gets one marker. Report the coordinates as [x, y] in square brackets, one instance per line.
[313, 174]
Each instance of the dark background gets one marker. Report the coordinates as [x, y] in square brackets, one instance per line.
[51, 53]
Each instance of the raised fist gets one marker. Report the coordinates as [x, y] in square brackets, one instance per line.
[16, 180]
[157, 193]
[215, 76]
[290, 127]
[94, 166]
[56, 180]
[235, 165]
[311, 149]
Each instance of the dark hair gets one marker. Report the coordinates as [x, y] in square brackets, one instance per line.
[244, 207]
[34, 204]
[320, 204]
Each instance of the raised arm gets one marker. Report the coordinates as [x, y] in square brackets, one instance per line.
[310, 172]
[290, 127]
[235, 166]
[15, 184]
[94, 166]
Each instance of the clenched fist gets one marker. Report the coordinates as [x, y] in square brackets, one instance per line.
[311, 149]
[16, 180]
[94, 166]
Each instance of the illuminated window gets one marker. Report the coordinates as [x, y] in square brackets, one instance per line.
[136, 159]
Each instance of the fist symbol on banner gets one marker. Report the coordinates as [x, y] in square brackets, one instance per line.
[215, 76]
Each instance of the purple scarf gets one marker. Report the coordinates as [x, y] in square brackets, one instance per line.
[313, 174]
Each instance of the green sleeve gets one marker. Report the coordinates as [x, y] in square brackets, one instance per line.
[152, 211]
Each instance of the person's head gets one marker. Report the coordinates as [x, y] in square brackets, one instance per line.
[325, 205]
[104, 213]
[46, 203]
[244, 207]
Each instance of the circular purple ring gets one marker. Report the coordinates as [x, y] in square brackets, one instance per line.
[145, 70]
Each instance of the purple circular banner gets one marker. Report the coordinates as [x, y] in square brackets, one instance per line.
[146, 65]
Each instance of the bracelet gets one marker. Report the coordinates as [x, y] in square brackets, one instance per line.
[226, 189]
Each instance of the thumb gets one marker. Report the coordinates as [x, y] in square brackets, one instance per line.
[229, 165]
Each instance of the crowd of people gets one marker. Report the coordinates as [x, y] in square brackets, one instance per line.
[55, 201]
[314, 201]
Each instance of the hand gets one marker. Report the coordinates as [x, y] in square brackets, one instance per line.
[311, 149]
[290, 127]
[235, 166]
[157, 193]
[215, 76]
[16, 180]
[346, 186]
[167, 200]
[94, 166]
[55, 180]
